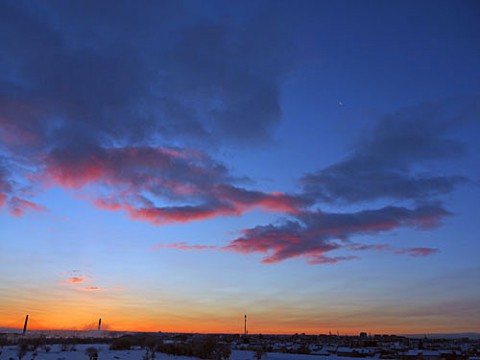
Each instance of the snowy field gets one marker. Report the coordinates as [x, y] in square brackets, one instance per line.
[11, 352]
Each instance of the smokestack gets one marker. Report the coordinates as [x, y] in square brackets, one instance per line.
[99, 324]
[25, 325]
[245, 325]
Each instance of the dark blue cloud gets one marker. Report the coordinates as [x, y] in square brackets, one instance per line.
[122, 73]
[401, 157]
[88, 88]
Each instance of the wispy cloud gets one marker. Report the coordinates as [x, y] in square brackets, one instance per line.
[183, 246]
[76, 280]
[79, 281]
[93, 288]
[390, 162]
[74, 277]
[18, 206]
[314, 235]
[418, 251]
[413, 252]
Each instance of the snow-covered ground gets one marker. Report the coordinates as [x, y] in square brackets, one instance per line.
[104, 353]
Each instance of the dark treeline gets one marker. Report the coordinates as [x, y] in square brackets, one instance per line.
[201, 346]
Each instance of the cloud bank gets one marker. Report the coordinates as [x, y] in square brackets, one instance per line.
[128, 105]
[313, 235]
[397, 161]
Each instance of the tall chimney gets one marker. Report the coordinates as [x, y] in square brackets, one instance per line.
[25, 325]
[99, 324]
[245, 325]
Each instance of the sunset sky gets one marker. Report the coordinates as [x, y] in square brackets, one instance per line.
[174, 165]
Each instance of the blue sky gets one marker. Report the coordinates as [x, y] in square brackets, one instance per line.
[175, 165]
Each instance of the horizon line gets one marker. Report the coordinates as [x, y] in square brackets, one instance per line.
[466, 333]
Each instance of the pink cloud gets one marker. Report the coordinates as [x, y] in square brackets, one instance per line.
[98, 288]
[314, 235]
[74, 278]
[19, 206]
[418, 251]
[177, 213]
[93, 288]
[108, 204]
[326, 260]
[75, 175]
[375, 247]
[184, 246]
[139, 167]
[222, 200]
[135, 178]
[3, 198]
[283, 242]
[84, 282]
[243, 199]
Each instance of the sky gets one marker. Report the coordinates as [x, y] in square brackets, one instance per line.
[175, 165]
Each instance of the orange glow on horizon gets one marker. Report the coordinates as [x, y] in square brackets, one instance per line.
[122, 309]
[174, 323]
